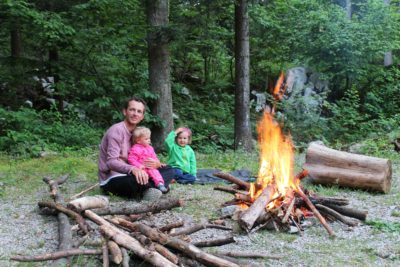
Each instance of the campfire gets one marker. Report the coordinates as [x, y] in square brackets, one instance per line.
[276, 199]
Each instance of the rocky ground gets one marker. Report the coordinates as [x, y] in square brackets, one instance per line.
[24, 231]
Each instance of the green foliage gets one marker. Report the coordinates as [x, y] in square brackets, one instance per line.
[27, 132]
[391, 227]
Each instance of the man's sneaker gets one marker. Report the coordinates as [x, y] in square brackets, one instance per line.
[151, 194]
[162, 188]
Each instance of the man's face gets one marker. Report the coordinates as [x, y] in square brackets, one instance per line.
[134, 114]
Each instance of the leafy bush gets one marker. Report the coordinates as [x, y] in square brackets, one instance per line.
[28, 132]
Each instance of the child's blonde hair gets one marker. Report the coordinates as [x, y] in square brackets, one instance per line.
[139, 132]
[188, 131]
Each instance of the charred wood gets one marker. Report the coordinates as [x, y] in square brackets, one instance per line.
[349, 212]
[336, 215]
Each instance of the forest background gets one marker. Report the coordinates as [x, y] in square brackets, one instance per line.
[68, 66]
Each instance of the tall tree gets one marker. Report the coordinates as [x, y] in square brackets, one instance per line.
[388, 59]
[159, 68]
[243, 139]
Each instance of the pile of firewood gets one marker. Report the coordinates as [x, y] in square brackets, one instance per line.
[288, 212]
[122, 233]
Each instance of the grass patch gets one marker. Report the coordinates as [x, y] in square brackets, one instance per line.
[388, 227]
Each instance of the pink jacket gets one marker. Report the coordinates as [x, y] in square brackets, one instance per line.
[138, 154]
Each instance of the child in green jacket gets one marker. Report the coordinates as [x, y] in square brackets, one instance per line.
[181, 156]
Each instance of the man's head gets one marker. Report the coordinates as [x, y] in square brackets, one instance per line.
[134, 112]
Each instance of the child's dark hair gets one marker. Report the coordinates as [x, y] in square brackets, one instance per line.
[187, 130]
[136, 99]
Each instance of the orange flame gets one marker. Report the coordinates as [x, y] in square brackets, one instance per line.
[278, 90]
[276, 159]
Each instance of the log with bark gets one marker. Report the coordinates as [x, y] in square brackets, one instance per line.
[326, 210]
[89, 202]
[349, 212]
[58, 255]
[332, 167]
[197, 227]
[229, 190]
[214, 242]
[163, 204]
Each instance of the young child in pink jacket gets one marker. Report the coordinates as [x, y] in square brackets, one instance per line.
[142, 150]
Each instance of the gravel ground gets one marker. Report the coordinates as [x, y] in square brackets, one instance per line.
[24, 231]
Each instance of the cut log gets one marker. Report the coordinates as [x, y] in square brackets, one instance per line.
[115, 252]
[228, 177]
[332, 167]
[89, 202]
[249, 216]
[164, 204]
[168, 227]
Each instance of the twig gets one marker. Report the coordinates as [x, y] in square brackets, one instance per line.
[84, 191]
[58, 255]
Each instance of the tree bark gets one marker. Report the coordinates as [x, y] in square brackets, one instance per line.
[329, 166]
[89, 202]
[197, 227]
[388, 58]
[15, 40]
[115, 252]
[165, 204]
[233, 179]
[243, 138]
[159, 68]
[214, 242]
[349, 212]
[326, 210]
[58, 255]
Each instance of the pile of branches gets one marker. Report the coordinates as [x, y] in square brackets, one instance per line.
[123, 232]
[288, 213]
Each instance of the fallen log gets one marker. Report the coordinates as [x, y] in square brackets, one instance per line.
[197, 227]
[214, 242]
[154, 246]
[332, 167]
[127, 241]
[336, 215]
[164, 204]
[58, 255]
[228, 177]
[249, 216]
[76, 216]
[349, 212]
[168, 227]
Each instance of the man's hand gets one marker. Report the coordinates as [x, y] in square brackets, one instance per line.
[141, 176]
[152, 163]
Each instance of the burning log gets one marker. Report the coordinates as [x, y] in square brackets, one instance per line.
[329, 166]
[336, 215]
[164, 204]
[58, 255]
[214, 242]
[316, 213]
[226, 176]
[250, 215]
[289, 210]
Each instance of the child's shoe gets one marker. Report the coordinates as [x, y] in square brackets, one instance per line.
[162, 188]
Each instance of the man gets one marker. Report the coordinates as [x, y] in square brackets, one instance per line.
[115, 174]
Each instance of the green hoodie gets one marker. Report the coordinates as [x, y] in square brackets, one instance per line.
[180, 157]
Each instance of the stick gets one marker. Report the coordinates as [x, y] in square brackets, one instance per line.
[337, 215]
[214, 242]
[228, 190]
[289, 210]
[106, 260]
[184, 247]
[115, 252]
[197, 227]
[226, 176]
[127, 241]
[245, 254]
[76, 216]
[316, 212]
[250, 215]
[126, 258]
[54, 185]
[168, 227]
[57, 255]
[164, 204]
[84, 191]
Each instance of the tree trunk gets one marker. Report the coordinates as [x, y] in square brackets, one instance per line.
[388, 59]
[348, 9]
[15, 40]
[243, 139]
[159, 69]
[329, 166]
